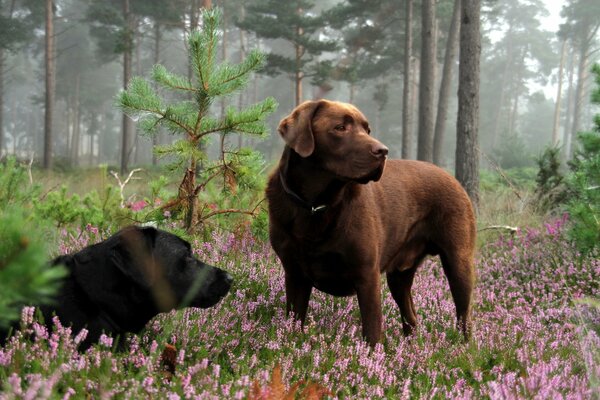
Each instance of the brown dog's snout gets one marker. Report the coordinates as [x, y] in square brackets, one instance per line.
[379, 150]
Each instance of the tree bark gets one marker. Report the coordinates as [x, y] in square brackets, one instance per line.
[557, 108]
[298, 74]
[50, 84]
[126, 121]
[2, 141]
[407, 134]
[582, 73]
[427, 82]
[569, 112]
[76, 123]
[156, 135]
[449, 58]
[242, 57]
[467, 125]
[224, 58]
[503, 85]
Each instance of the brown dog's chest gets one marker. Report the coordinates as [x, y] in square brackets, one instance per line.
[329, 271]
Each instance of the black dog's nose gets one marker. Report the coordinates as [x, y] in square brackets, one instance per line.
[379, 150]
[228, 278]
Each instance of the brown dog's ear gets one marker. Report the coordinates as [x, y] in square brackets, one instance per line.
[296, 128]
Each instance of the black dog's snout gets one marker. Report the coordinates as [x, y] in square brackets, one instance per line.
[228, 278]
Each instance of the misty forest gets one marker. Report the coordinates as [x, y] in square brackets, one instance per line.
[166, 113]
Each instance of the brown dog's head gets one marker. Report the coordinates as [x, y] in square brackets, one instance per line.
[335, 135]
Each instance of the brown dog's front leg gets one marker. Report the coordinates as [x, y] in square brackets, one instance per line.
[369, 302]
[297, 294]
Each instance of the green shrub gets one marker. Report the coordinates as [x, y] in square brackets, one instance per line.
[25, 277]
[512, 152]
[584, 183]
[550, 190]
[584, 187]
[14, 186]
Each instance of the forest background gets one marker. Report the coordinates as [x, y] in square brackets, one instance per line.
[535, 78]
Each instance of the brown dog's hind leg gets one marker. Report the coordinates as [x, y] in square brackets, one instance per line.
[400, 283]
[297, 294]
[460, 272]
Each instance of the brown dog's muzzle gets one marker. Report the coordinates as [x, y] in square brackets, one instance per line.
[379, 150]
[376, 162]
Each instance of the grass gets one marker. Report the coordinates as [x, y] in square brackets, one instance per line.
[536, 333]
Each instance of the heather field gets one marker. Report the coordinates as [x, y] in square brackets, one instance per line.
[536, 336]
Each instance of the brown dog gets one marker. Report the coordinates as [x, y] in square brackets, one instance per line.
[338, 219]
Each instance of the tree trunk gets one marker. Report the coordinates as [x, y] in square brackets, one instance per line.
[449, 58]
[569, 112]
[352, 90]
[2, 141]
[49, 101]
[93, 132]
[582, 73]
[556, 125]
[224, 58]
[503, 85]
[407, 134]
[76, 123]
[299, 74]
[126, 122]
[156, 135]
[427, 77]
[242, 57]
[467, 125]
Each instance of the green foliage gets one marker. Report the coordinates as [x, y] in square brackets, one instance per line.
[550, 188]
[241, 192]
[102, 211]
[58, 206]
[14, 187]
[273, 19]
[519, 178]
[190, 118]
[584, 183]
[24, 274]
[512, 152]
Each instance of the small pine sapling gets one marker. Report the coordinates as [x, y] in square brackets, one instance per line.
[190, 118]
[583, 183]
[25, 277]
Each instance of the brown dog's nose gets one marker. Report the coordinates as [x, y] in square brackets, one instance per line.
[379, 150]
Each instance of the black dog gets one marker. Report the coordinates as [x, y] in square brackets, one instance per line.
[120, 284]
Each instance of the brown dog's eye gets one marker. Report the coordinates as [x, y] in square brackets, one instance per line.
[340, 128]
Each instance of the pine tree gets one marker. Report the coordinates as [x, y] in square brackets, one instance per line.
[293, 22]
[192, 119]
[369, 50]
[584, 182]
[25, 277]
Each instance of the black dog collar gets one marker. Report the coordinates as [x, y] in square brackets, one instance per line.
[299, 200]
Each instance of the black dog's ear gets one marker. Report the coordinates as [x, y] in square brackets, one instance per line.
[296, 128]
[132, 254]
[66, 260]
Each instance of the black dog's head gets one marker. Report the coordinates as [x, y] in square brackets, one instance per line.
[140, 272]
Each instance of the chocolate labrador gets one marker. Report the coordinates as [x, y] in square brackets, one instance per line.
[120, 284]
[338, 219]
